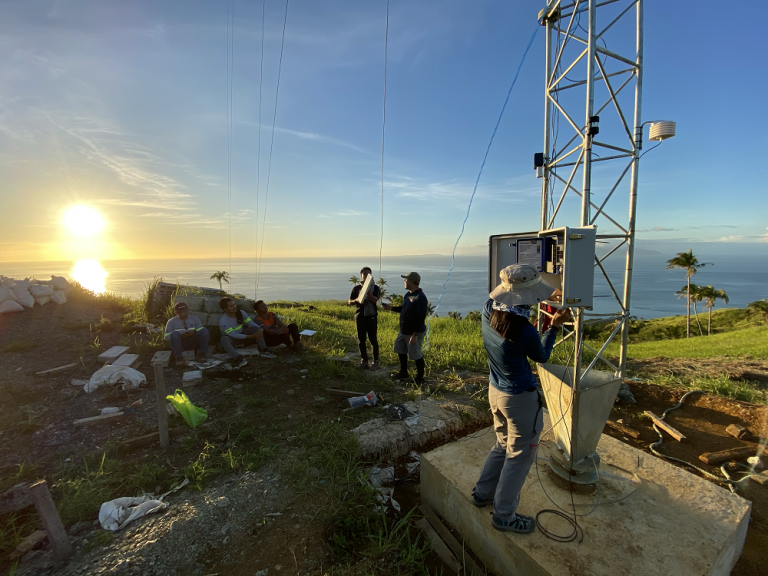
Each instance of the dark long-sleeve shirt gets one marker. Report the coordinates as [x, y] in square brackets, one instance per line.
[413, 313]
[508, 360]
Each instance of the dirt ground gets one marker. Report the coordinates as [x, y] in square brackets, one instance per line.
[744, 368]
[36, 415]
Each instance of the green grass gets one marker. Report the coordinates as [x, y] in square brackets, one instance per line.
[20, 345]
[673, 327]
[751, 341]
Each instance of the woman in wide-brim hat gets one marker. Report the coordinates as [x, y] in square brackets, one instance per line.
[510, 339]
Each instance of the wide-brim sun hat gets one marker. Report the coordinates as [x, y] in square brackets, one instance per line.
[521, 284]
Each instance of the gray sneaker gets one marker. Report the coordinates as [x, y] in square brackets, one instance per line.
[267, 354]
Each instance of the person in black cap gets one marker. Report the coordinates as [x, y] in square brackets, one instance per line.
[186, 332]
[366, 316]
[413, 314]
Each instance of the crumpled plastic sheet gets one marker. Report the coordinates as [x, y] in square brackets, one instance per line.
[381, 476]
[118, 513]
[124, 375]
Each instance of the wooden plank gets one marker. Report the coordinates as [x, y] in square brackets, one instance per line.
[676, 434]
[163, 356]
[57, 370]
[28, 543]
[439, 546]
[97, 419]
[725, 455]
[345, 393]
[623, 429]
[46, 509]
[129, 360]
[162, 413]
[152, 438]
[470, 566]
[113, 353]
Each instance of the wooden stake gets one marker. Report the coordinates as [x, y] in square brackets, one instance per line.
[676, 434]
[56, 370]
[46, 509]
[162, 414]
[151, 438]
[97, 419]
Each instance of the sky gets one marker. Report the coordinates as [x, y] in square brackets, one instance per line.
[124, 109]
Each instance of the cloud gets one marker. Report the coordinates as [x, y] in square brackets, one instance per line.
[711, 226]
[309, 136]
[349, 213]
[201, 221]
[659, 229]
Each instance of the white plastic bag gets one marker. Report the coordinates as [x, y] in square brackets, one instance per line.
[59, 298]
[43, 300]
[39, 291]
[129, 377]
[23, 296]
[7, 294]
[10, 306]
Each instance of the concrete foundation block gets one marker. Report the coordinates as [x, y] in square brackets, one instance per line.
[246, 305]
[130, 360]
[191, 378]
[163, 356]
[188, 355]
[674, 523]
[113, 353]
[211, 304]
[195, 303]
[212, 319]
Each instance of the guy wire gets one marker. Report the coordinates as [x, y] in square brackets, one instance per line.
[477, 180]
[258, 154]
[383, 125]
[230, 78]
[271, 146]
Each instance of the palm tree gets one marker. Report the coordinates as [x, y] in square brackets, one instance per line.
[691, 264]
[453, 314]
[431, 310]
[395, 299]
[691, 293]
[473, 316]
[354, 280]
[381, 283]
[759, 307]
[220, 275]
[709, 295]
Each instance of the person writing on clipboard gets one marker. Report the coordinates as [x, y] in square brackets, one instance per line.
[366, 316]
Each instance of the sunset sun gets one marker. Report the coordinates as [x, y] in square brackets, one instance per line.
[83, 221]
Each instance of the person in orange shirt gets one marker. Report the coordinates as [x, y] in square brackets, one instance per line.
[275, 330]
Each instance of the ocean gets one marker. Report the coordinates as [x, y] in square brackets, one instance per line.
[744, 279]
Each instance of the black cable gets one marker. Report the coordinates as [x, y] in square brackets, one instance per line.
[651, 148]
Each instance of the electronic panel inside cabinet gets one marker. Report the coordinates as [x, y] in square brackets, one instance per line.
[565, 257]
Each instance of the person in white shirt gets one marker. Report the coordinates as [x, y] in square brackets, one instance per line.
[186, 332]
[237, 327]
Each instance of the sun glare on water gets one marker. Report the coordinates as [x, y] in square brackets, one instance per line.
[83, 221]
[90, 275]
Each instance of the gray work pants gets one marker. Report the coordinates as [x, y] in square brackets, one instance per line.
[518, 420]
[228, 343]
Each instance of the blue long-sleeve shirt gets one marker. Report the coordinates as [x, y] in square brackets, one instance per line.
[508, 360]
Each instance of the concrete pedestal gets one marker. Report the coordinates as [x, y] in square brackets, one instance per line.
[675, 523]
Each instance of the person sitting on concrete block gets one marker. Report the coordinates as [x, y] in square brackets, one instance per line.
[275, 330]
[237, 327]
[186, 332]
